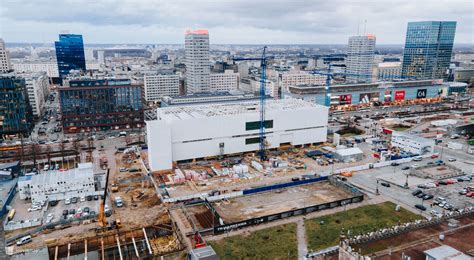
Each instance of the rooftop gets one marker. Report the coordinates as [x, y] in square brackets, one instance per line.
[208, 110]
[349, 151]
[84, 170]
[446, 252]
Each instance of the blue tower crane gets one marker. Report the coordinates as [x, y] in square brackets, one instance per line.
[263, 78]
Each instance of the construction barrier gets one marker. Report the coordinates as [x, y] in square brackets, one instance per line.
[283, 185]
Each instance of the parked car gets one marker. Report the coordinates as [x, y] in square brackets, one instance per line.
[96, 197]
[427, 197]
[53, 203]
[385, 184]
[418, 158]
[405, 168]
[118, 202]
[394, 164]
[430, 163]
[65, 212]
[470, 194]
[434, 156]
[24, 240]
[420, 207]
[74, 200]
[421, 195]
[89, 197]
[67, 201]
[83, 198]
[451, 159]
[416, 192]
[439, 162]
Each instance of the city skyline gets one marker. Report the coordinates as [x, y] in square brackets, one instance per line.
[242, 22]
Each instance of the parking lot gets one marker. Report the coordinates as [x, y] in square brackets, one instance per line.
[396, 177]
[74, 209]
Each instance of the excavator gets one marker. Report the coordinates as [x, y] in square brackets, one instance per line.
[102, 221]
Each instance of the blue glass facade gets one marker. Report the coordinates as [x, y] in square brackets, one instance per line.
[16, 116]
[70, 53]
[88, 106]
[428, 49]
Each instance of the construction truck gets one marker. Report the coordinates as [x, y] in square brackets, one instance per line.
[115, 187]
[102, 220]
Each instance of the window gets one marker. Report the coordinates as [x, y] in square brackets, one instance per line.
[254, 140]
[256, 125]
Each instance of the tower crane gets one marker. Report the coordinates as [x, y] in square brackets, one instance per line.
[263, 67]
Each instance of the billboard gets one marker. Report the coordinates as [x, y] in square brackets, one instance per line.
[345, 99]
[421, 93]
[399, 95]
[366, 98]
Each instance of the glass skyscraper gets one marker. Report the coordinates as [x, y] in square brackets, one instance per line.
[70, 53]
[16, 116]
[428, 49]
[94, 105]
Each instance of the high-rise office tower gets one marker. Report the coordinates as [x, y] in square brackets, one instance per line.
[70, 53]
[360, 58]
[197, 61]
[428, 49]
[5, 65]
[15, 111]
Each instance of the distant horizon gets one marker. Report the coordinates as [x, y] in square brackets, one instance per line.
[237, 44]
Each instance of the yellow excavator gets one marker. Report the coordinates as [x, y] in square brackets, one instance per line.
[102, 220]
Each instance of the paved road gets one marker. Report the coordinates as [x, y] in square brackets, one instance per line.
[301, 238]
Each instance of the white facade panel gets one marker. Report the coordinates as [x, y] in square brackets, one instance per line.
[192, 134]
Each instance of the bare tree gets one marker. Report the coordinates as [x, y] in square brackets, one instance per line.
[48, 153]
[76, 146]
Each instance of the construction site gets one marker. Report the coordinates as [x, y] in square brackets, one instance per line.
[264, 204]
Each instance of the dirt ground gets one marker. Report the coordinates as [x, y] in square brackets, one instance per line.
[141, 204]
[273, 202]
[293, 156]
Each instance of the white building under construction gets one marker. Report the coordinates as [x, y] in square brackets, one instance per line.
[191, 132]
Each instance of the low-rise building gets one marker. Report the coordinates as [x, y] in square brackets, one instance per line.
[58, 185]
[389, 71]
[223, 82]
[349, 154]
[445, 252]
[101, 104]
[299, 78]
[50, 67]
[158, 86]
[411, 143]
[189, 132]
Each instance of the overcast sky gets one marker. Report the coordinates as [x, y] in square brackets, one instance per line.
[228, 21]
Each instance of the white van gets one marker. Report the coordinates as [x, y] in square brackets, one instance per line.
[46, 167]
[118, 202]
[24, 240]
[122, 134]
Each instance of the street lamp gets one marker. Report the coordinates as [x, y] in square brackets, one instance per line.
[377, 189]
[406, 180]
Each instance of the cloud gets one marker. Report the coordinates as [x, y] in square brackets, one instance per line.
[229, 21]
